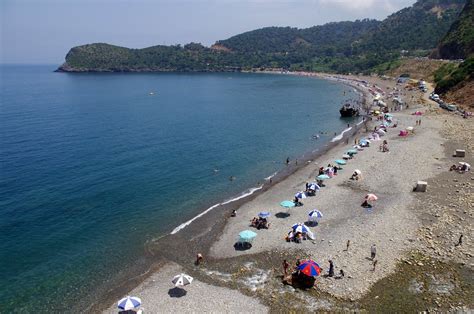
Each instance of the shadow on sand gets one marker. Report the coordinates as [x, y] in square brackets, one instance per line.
[176, 292]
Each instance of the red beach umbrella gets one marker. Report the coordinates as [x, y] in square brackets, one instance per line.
[309, 268]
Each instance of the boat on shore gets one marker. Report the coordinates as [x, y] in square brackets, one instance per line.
[349, 109]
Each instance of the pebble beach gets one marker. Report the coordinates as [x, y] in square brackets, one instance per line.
[397, 223]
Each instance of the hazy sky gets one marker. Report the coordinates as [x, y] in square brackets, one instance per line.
[42, 31]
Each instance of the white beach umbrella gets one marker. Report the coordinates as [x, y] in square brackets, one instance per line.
[182, 280]
[410, 128]
[129, 303]
[358, 171]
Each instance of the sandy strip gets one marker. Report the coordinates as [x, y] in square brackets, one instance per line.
[158, 296]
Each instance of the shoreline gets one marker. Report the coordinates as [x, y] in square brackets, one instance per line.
[222, 209]
[211, 226]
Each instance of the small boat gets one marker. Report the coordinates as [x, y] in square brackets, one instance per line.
[349, 110]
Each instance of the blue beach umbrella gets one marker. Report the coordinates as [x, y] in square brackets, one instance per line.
[300, 228]
[264, 214]
[129, 303]
[323, 177]
[287, 204]
[314, 186]
[300, 195]
[315, 214]
[340, 162]
[247, 236]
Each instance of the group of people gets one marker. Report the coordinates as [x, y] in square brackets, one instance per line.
[260, 223]
[296, 237]
[461, 168]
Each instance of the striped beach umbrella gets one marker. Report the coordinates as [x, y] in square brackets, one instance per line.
[129, 303]
[314, 186]
[309, 268]
[300, 228]
[182, 280]
[315, 215]
[300, 195]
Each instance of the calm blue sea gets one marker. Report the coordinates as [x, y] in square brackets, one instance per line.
[93, 166]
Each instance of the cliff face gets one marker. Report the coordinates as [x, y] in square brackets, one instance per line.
[459, 41]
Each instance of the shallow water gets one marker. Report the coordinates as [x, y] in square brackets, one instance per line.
[94, 165]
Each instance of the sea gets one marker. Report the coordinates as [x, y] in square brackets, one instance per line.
[95, 165]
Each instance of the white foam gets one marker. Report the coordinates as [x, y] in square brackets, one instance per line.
[187, 223]
[250, 192]
[360, 122]
[269, 177]
[339, 137]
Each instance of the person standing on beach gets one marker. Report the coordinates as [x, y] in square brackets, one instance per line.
[199, 258]
[459, 241]
[287, 160]
[285, 267]
[331, 269]
[347, 245]
[373, 251]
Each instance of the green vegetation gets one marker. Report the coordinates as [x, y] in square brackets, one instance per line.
[459, 42]
[359, 46]
[449, 75]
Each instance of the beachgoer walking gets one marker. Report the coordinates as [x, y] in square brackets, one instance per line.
[374, 263]
[285, 267]
[287, 161]
[234, 213]
[459, 241]
[199, 258]
[296, 162]
[419, 122]
[347, 245]
[373, 251]
[355, 141]
[331, 269]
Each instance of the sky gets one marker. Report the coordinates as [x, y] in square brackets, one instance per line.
[43, 31]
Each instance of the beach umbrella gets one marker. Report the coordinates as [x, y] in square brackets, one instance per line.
[358, 171]
[247, 236]
[309, 268]
[182, 280]
[301, 228]
[352, 151]
[463, 163]
[340, 162]
[287, 204]
[345, 156]
[129, 303]
[323, 177]
[314, 186]
[315, 214]
[371, 197]
[410, 128]
[300, 195]
[264, 214]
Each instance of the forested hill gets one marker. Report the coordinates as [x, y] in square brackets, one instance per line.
[357, 46]
[335, 36]
[459, 41]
